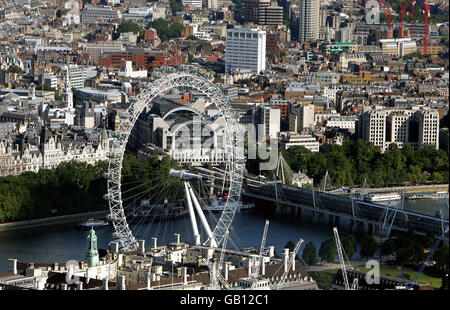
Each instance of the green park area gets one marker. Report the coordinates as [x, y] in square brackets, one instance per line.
[409, 273]
[324, 278]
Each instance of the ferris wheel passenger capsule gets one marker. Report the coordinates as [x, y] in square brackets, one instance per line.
[124, 115]
[108, 197]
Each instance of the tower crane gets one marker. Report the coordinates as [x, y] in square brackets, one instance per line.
[403, 8]
[260, 259]
[261, 249]
[413, 2]
[291, 259]
[389, 18]
[216, 277]
[341, 260]
[426, 6]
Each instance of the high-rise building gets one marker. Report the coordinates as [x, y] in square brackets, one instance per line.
[77, 75]
[245, 50]
[263, 12]
[309, 20]
[414, 126]
[305, 117]
[267, 118]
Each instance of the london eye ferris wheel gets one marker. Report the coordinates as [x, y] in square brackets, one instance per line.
[134, 192]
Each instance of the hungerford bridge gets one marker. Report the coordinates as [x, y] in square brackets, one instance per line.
[374, 218]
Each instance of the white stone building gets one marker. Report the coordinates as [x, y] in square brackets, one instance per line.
[289, 139]
[14, 161]
[245, 50]
[417, 126]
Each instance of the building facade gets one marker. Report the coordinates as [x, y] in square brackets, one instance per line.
[245, 50]
[418, 127]
[309, 20]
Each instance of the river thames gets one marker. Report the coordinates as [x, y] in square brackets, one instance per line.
[65, 242]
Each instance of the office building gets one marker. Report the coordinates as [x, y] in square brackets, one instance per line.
[77, 75]
[245, 50]
[309, 20]
[418, 127]
[305, 117]
[95, 15]
[263, 12]
[290, 139]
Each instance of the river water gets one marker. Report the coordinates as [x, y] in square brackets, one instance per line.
[64, 242]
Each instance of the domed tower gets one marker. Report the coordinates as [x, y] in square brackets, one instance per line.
[92, 251]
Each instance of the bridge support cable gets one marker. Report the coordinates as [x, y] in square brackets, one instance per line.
[325, 181]
[384, 228]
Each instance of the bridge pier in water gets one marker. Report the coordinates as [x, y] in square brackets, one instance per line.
[353, 226]
[296, 213]
[334, 220]
[368, 228]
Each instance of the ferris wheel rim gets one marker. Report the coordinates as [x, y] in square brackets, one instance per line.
[234, 148]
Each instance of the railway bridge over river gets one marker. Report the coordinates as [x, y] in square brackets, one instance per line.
[380, 219]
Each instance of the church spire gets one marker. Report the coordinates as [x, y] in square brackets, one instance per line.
[67, 94]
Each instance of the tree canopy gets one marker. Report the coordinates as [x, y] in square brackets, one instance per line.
[349, 245]
[165, 30]
[309, 254]
[328, 251]
[349, 164]
[176, 6]
[35, 195]
[368, 246]
[388, 247]
[129, 26]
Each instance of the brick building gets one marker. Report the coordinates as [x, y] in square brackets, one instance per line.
[142, 59]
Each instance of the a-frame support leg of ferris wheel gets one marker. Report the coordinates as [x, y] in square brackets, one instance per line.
[192, 200]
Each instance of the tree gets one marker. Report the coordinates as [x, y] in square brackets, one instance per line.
[441, 257]
[191, 37]
[175, 30]
[309, 254]
[166, 31]
[129, 26]
[14, 69]
[368, 246]
[388, 247]
[428, 240]
[404, 255]
[176, 6]
[328, 251]
[349, 246]
[290, 245]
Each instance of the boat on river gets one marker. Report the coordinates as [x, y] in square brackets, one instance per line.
[382, 197]
[93, 223]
